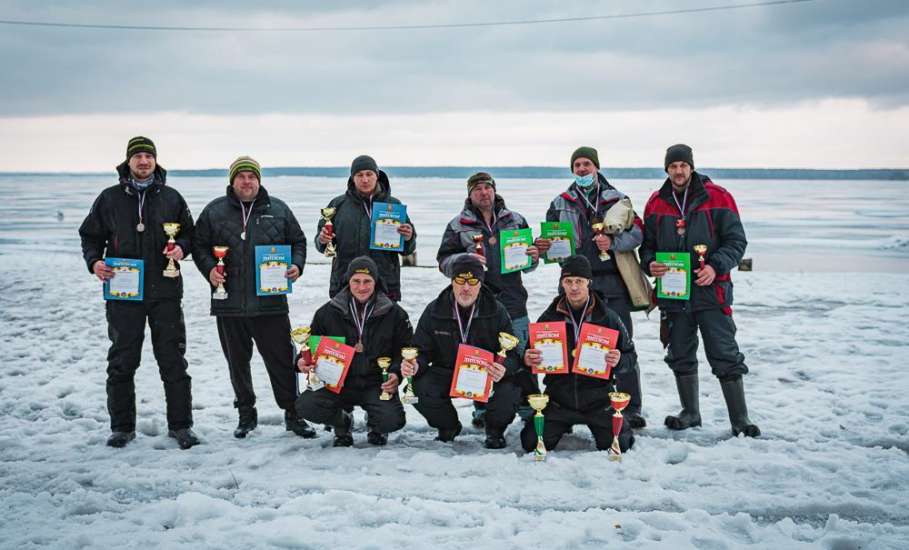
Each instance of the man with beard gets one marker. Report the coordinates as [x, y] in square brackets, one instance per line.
[466, 312]
[126, 222]
[485, 216]
[364, 315]
[245, 217]
[690, 210]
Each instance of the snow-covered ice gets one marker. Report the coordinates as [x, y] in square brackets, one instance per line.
[826, 342]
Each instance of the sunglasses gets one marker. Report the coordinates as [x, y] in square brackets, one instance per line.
[473, 281]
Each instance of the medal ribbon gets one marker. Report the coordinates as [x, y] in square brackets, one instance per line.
[245, 216]
[141, 204]
[681, 207]
[574, 324]
[359, 321]
[457, 314]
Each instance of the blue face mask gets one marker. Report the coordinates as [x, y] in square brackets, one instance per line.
[584, 181]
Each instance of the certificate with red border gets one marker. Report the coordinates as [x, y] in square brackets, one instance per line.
[594, 342]
[332, 363]
[471, 379]
[550, 339]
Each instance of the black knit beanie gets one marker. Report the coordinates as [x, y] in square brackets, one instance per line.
[576, 266]
[677, 153]
[468, 266]
[140, 144]
[587, 153]
[363, 162]
[364, 265]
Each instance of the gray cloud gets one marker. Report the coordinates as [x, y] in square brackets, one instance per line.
[760, 56]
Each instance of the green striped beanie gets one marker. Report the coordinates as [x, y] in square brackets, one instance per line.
[140, 144]
[245, 164]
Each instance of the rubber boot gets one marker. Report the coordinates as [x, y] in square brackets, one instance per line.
[687, 385]
[734, 393]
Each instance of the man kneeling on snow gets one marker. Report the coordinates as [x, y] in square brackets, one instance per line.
[367, 318]
[466, 312]
[574, 398]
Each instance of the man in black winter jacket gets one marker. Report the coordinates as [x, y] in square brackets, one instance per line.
[690, 210]
[465, 312]
[577, 399]
[245, 217]
[351, 227]
[377, 327]
[485, 216]
[126, 222]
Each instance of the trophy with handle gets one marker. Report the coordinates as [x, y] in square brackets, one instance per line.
[384, 363]
[599, 228]
[300, 336]
[619, 401]
[220, 252]
[538, 402]
[701, 251]
[327, 215]
[171, 229]
[410, 397]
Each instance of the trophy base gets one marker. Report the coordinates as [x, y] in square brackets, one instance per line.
[605, 258]
[330, 251]
[539, 454]
[219, 296]
[385, 397]
[172, 273]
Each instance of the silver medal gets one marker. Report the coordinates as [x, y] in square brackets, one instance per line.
[140, 227]
[243, 236]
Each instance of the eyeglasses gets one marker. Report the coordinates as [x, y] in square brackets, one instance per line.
[472, 281]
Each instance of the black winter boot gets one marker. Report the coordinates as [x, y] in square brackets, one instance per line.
[687, 385]
[120, 439]
[249, 419]
[734, 393]
[495, 439]
[448, 435]
[295, 424]
[376, 438]
[343, 437]
[185, 437]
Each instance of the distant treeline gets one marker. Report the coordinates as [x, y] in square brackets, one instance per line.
[551, 172]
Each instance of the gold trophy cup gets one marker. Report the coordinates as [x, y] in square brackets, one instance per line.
[327, 215]
[410, 397]
[171, 229]
[508, 343]
[701, 251]
[384, 363]
[599, 228]
[220, 252]
[538, 402]
[619, 400]
[300, 336]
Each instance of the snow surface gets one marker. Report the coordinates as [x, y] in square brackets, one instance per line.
[828, 387]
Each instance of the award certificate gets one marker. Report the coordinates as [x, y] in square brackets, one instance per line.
[272, 263]
[513, 245]
[594, 343]
[676, 283]
[471, 378]
[384, 224]
[562, 236]
[128, 279]
[549, 339]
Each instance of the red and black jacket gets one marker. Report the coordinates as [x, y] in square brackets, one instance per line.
[711, 217]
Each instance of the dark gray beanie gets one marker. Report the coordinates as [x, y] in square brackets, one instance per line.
[364, 265]
[467, 266]
[363, 162]
[679, 153]
[576, 266]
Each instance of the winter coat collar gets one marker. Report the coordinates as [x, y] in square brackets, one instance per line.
[597, 305]
[697, 190]
[472, 216]
[261, 199]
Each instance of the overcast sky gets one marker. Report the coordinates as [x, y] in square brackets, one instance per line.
[819, 84]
